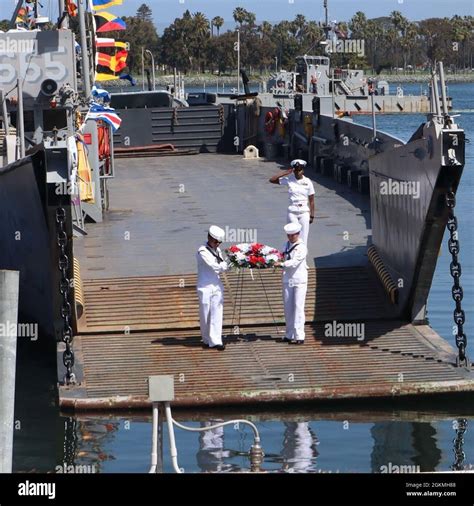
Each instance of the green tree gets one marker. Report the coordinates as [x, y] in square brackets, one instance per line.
[240, 15]
[200, 34]
[218, 22]
[144, 13]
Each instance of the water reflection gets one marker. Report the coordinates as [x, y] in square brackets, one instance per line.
[299, 447]
[374, 442]
[404, 447]
[211, 455]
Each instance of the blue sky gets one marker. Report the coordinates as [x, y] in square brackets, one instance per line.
[165, 11]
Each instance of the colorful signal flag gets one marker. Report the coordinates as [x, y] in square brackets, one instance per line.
[103, 4]
[107, 22]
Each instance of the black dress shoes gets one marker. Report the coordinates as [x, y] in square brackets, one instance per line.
[220, 347]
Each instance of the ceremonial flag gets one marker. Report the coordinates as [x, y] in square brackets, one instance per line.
[107, 114]
[103, 4]
[107, 22]
[100, 93]
[99, 77]
[71, 8]
[128, 77]
[106, 42]
[115, 63]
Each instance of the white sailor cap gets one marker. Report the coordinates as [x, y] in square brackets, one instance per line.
[292, 228]
[216, 233]
[298, 163]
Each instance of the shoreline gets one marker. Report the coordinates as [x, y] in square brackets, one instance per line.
[230, 81]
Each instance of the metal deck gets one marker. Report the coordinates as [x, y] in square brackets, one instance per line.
[141, 310]
[394, 360]
[170, 302]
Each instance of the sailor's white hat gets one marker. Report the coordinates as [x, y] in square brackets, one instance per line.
[292, 228]
[216, 233]
[299, 162]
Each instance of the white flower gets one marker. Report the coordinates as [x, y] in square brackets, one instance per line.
[244, 247]
[266, 250]
[272, 258]
[239, 256]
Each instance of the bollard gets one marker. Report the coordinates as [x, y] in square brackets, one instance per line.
[9, 290]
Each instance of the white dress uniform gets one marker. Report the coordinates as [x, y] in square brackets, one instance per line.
[210, 291]
[298, 210]
[295, 285]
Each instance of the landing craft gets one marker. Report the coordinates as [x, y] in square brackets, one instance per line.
[383, 280]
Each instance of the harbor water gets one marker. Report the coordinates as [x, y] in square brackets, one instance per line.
[432, 436]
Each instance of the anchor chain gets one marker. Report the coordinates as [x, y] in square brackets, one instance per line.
[456, 290]
[64, 290]
[461, 427]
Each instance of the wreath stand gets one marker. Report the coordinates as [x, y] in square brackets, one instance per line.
[237, 299]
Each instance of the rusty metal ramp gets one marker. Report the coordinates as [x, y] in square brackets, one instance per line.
[393, 359]
[170, 302]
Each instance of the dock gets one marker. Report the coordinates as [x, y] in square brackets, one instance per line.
[140, 315]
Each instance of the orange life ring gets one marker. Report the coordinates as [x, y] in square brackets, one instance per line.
[270, 122]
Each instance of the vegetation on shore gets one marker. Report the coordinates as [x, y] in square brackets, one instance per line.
[393, 44]
[193, 43]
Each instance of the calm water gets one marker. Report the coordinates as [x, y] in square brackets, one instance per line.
[309, 441]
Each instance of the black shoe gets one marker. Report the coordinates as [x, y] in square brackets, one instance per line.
[299, 341]
[220, 347]
[204, 345]
[286, 340]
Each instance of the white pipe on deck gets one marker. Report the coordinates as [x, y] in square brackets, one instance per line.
[173, 449]
[154, 440]
[9, 291]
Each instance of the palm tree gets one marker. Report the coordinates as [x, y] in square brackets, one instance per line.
[250, 18]
[218, 22]
[200, 33]
[299, 23]
[359, 25]
[240, 15]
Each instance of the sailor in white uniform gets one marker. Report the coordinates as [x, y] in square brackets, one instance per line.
[210, 290]
[295, 283]
[301, 196]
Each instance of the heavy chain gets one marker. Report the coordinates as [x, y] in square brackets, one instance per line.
[457, 291]
[461, 427]
[64, 290]
[70, 441]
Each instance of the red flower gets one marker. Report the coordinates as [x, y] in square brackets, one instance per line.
[256, 247]
[253, 259]
[234, 249]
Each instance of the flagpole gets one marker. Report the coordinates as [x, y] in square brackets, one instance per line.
[84, 49]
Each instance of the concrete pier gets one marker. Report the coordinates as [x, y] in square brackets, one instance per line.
[9, 292]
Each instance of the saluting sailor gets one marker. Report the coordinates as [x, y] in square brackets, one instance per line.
[210, 290]
[301, 196]
[295, 283]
